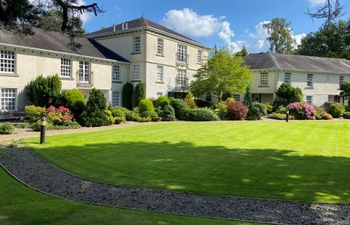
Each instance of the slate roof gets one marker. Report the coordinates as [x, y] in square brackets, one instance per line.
[56, 41]
[285, 62]
[140, 23]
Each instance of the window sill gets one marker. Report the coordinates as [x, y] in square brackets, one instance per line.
[117, 81]
[264, 86]
[134, 81]
[66, 78]
[309, 87]
[135, 53]
[159, 55]
[9, 75]
[159, 82]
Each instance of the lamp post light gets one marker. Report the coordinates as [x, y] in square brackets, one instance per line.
[287, 115]
[43, 130]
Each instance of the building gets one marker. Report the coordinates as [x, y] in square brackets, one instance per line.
[319, 78]
[161, 58]
[135, 51]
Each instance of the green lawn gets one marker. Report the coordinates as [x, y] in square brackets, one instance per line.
[20, 205]
[300, 160]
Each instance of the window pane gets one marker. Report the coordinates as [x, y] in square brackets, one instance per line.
[182, 53]
[181, 78]
[115, 73]
[115, 98]
[66, 67]
[264, 79]
[7, 61]
[287, 77]
[160, 46]
[137, 44]
[136, 72]
[8, 99]
[199, 57]
[84, 72]
[309, 81]
[160, 73]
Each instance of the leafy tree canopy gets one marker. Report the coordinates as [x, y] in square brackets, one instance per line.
[280, 35]
[223, 72]
[345, 90]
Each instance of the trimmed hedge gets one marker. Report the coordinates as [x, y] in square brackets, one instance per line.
[346, 115]
[75, 101]
[139, 93]
[168, 113]
[180, 108]
[6, 128]
[146, 105]
[237, 110]
[34, 113]
[336, 110]
[201, 114]
[151, 114]
[128, 90]
[162, 101]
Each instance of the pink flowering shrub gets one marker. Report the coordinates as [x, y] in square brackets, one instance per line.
[301, 111]
[59, 116]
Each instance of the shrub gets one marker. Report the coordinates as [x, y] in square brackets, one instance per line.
[281, 109]
[168, 113]
[201, 114]
[119, 120]
[162, 101]
[144, 119]
[131, 116]
[221, 110]
[346, 115]
[229, 100]
[34, 113]
[269, 108]
[109, 119]
[327, 116]
[237, 110]
[280, 116]
[189, 99]
[146, 105]
[256, 111]
[94, 115]
[336, 110]
[287, 94]
[127, 95]
[6, 128]
[180, 108]
[60, 116]
[43, 91]
[75, 101]
[49, 126]
[139, 93]
[248, 101]
[151, 114]
[117, 112]
[301, 111]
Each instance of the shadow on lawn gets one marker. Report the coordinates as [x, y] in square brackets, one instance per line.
[262, 173]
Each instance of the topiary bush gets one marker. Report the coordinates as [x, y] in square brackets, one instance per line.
[336, 110]
[131, 116]
[94, 114]
[128, 90]
[146, 105]
[75, 101]
[162, 101]
[201, 114]
[180, 108]
[34, 113]
[151, 114]
[256, 111]
[139, 93]
[237, 110]
[117, 112]
[168, 113]
[6, 128]
[44, 91]
[346, 115]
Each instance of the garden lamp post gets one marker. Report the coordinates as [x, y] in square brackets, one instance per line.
[287, 115]
[43, 130]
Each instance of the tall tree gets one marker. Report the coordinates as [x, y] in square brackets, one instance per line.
[330, 11]
[332, 40]
[223, 72]
[345, 91]
[25, 12]
[280, 35]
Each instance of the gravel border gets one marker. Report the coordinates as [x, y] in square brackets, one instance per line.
[35, 172]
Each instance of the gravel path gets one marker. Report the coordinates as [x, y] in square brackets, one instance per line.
[38, 174]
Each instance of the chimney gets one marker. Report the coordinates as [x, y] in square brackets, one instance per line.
[122, 26]
[114, 28]
[126, 25]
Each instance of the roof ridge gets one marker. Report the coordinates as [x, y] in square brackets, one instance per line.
[275, 61]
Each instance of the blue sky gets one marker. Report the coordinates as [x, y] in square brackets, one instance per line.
[224, 23]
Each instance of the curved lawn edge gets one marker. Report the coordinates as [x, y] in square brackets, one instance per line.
[36, 173]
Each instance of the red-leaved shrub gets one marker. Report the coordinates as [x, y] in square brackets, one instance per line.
[237, 110]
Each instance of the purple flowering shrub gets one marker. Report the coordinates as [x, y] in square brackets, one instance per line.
[301, 111]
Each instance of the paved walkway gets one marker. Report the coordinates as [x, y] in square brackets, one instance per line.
[35, 172]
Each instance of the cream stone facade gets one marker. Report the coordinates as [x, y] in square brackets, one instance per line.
[30, 63]
[318, 78]
[102, 60]
[165, 72]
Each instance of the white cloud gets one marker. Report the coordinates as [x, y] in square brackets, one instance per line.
[298, 39]
[188, 22]
[316, 2]
[259, 37]
[85, 17]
